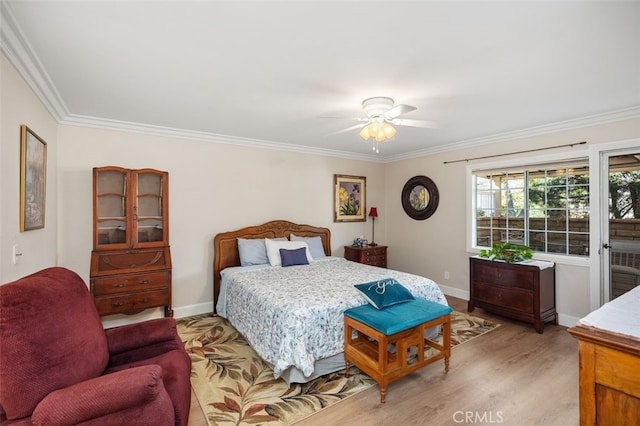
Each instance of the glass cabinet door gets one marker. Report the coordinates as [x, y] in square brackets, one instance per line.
[150, 208]
[110, 209]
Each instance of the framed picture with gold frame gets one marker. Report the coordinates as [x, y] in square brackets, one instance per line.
[33, 174]
[350, 198]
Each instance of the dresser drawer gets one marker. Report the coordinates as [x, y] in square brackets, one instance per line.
[511, 298]
[380, 261]
[125, 283]
[132, 302]
[374, 251]
[502, 275]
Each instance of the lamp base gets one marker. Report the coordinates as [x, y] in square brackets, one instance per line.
[372, 244]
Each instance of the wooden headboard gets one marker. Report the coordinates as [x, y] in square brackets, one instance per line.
[225, 244]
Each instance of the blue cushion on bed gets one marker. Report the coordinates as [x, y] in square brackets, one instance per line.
[253, 251]
[383, 293]
[315, 245]
[294, 256]
[400, 317]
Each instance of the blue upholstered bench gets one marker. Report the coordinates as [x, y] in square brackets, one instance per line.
[368, 332]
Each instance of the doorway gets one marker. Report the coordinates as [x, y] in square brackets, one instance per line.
[621, 254]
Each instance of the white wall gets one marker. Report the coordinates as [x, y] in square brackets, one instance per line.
[439, 244]
[19, 105]
[212, 188]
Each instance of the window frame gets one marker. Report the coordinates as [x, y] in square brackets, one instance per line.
[521, 162]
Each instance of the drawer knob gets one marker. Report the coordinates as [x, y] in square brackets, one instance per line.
[144, 300]
[120, 303]
[144, 282]
[123, 284]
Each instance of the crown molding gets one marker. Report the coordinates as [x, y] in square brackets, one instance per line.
[576, 123]
[170, 132]
[18, 50]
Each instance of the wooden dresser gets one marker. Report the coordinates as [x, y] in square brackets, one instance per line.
[610, 363]
[519, 291]
[369, 255]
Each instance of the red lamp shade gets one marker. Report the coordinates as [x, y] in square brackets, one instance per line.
[373, 212]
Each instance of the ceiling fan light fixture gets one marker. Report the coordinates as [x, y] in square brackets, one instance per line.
[364, 133]
[388, 130]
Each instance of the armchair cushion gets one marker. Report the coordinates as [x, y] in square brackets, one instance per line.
[59, 366]
[64, 348]
[127, 392]
[130, 343]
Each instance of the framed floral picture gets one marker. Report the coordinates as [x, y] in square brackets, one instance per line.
[350, 196]
[33, 173]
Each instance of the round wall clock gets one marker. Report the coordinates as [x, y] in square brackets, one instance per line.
[420, 197]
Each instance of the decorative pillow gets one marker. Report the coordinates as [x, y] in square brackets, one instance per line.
[383, 293]
[253, 251]
[315, 245]
[294, 257]
[273, 249]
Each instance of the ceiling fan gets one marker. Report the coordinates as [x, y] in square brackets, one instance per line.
[382, 115]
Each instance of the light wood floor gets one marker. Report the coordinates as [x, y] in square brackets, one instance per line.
[512, 376]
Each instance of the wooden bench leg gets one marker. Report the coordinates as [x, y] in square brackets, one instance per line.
[383, 393]
[346, 368]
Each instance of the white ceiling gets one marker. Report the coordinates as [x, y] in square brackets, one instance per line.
[266, 72]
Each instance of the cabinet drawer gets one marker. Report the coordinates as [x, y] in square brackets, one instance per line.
[503, 276]
[125, 283]
[512, 298]
[119, 261]
[132, 302]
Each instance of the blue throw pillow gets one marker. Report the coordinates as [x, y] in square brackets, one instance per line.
[385, 292]
[294, 257]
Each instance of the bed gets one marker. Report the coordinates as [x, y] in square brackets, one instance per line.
[293, 316]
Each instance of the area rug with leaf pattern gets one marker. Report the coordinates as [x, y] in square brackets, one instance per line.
[234, 386]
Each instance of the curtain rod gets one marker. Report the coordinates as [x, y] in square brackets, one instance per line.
[516, 152]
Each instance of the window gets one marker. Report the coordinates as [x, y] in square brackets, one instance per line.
[544, 207]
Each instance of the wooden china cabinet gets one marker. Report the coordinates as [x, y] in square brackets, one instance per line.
[131, 260]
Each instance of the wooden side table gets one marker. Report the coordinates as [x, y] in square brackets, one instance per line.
[369, 255]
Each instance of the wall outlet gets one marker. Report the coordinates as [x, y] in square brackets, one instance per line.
[446, 275]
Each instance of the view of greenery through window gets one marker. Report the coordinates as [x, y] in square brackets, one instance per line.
[544, 208]
[547, 208]
[624, 189]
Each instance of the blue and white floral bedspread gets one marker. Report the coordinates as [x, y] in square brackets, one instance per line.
[293, 316]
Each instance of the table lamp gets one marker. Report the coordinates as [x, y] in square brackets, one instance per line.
[373, 213]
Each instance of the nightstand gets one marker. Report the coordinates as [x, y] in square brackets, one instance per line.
[369, 255]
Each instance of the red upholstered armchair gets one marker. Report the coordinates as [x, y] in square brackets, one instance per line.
[58, 365]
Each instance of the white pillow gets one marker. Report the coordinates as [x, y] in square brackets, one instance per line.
[273, 250]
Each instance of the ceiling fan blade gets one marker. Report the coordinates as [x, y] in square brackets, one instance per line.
[348, 129]
[399, 110]
[414, 123]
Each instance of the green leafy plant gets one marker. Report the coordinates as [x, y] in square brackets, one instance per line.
[508, 252]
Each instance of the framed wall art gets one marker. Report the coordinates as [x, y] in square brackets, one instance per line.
[350, 196]
[420, 197]
[33, 173]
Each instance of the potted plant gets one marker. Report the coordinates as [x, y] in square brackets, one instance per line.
[507, 252]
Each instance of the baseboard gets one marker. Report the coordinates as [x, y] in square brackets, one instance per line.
[567, 320]
[187, 311]
[455, 292]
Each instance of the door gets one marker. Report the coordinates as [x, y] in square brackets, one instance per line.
[620, 257]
